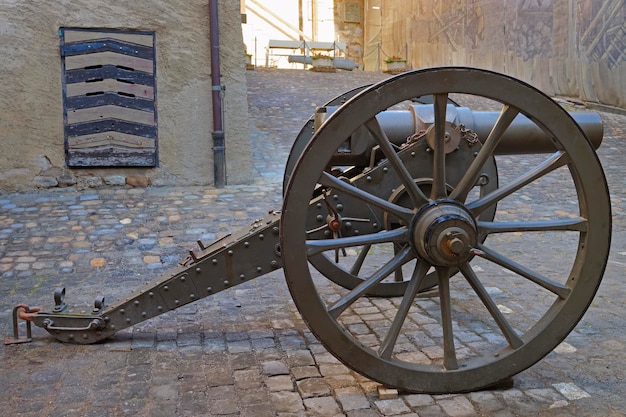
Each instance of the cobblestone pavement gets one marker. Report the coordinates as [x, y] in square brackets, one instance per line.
[246, 351]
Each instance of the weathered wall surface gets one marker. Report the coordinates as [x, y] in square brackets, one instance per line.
[575, 48]
[349, 27]
[31, 106]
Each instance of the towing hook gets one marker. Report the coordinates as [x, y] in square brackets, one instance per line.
[26, 313]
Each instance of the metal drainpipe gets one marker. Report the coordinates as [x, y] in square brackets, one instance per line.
[219, 142]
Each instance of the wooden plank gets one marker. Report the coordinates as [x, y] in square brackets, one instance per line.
[107, 45]
[110, 112]
[109, 58]
[105, 99]
[111, 139]
[108, 71]
[87, 35]
[84, 88]
[110, 125]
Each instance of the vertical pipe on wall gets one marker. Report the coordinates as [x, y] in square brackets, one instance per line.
[219, 141]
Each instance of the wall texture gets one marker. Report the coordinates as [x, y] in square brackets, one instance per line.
[31, 105]
[574, 48]
[567, 47]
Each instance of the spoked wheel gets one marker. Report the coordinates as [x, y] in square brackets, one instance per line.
[519, 293]
[347, 274]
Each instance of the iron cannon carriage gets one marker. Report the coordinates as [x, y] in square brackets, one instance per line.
[392, 193]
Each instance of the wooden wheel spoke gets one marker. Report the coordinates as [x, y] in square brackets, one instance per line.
[555, 161]
[358, 263]
[449, 351]
[396, 262]
[419, 273]
[316, 246]
[337, 184]
[464, 186]
[572, 225]
[507, 330]
[560, 290]
[439, 154]
[417, 196]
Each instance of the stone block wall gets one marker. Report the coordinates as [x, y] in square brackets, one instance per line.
[31, 99]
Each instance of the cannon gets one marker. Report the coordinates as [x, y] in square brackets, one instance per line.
[393, 198]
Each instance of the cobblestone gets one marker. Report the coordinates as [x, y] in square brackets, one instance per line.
[246, 351]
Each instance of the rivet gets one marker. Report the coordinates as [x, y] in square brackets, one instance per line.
[85, 336]
[136, 303]
[192, 296]
[348, 225]
[226, 283]
[112, 327]
[318, 205]
[176, 302]
[319, 218]
[261, 236]
[339, 207]
[182, 279]
[375, 225]
[368, 178]
[327, 233]
[209, 289]
[71, 337]
[128, 320]
[214, 261]
[274, 264]
[122, 311]
[335, 197]
[385, 169]
[413, 154]
[275, 230]
[259, 269]
[356, 231]
[160, 308]
[150, 294]
[230, 253]
[428, 150]
[107, 318]
[242, 277]
[144, 314]
[246, 244]
[198, 270]
[166, 288]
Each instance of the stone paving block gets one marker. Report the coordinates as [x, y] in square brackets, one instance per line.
[391, 407]
[286, 402]
[313, 387]
[247, 379]
[322, 406]
[485, 401]
[279, 383]
[302, 372]
[458, 406]
[351, 398]
[273, 368]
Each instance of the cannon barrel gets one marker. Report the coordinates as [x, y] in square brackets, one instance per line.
[522, 137]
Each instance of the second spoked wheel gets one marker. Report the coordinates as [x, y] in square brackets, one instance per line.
[518, 294]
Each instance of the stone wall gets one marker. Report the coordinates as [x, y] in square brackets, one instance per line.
[349, 27]
[564, 47]
[31, 105]
[572, 48]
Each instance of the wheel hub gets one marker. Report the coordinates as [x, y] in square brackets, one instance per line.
[443, 234]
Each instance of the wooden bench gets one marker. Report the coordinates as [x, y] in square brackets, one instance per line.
[308, 48]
